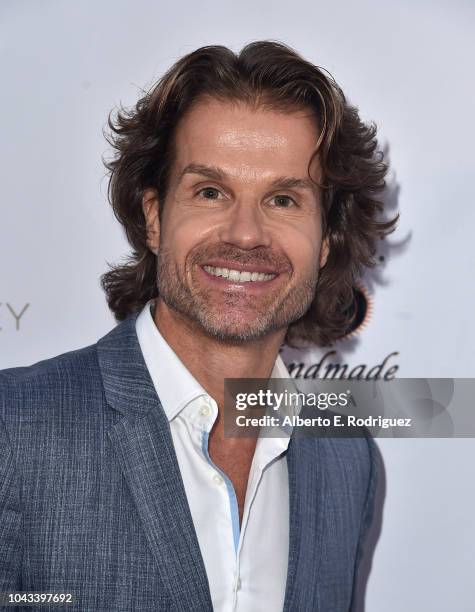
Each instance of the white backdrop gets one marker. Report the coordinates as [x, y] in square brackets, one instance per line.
[408, 66]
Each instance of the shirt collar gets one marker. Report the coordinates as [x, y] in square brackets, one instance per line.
[173, 382]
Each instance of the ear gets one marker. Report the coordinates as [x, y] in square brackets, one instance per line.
[324, 252]
[150, 207]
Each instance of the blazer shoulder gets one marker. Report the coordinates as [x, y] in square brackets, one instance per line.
[38, 386]
[36, 372]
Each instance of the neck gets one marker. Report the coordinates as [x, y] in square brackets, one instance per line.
[211, 360]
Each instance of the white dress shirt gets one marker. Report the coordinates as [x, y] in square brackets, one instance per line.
[246, 566]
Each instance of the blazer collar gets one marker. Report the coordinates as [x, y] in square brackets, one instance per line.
[127, 383]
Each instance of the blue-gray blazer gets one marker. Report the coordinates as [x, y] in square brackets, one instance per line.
[92, 501]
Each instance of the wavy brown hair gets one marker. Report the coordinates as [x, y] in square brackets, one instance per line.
[272, 75]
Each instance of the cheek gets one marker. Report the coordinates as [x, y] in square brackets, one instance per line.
[302, 246]
[182, 233]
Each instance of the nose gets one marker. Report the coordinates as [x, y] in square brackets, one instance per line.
[245, 226]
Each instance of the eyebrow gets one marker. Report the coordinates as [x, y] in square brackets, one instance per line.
[217, 174]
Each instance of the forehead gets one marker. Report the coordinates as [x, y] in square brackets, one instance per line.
[246, 140]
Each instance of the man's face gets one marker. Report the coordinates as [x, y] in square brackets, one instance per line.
[240, 239]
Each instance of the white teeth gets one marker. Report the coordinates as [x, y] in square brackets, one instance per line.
[236, 275]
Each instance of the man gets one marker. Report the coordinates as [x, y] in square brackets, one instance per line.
[247, 188]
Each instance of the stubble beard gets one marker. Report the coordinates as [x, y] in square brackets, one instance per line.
[229, 321]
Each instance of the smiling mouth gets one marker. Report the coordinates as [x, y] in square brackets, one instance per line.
[239, 276]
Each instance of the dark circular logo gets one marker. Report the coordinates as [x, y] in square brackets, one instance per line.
[360, 311]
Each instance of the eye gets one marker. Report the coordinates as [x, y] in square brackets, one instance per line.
[283, 201]
[208, 193]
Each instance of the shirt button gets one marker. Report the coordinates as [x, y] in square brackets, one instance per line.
[204, 411]
[217, 479]
[238, 584]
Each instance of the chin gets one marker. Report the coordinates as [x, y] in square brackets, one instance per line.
[236, 330]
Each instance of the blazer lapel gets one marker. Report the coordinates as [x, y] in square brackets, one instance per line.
[144, 447]
[306, 504]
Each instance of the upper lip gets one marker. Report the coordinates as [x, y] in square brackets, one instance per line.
[241, 267]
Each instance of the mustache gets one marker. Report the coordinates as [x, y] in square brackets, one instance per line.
[257, 255]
